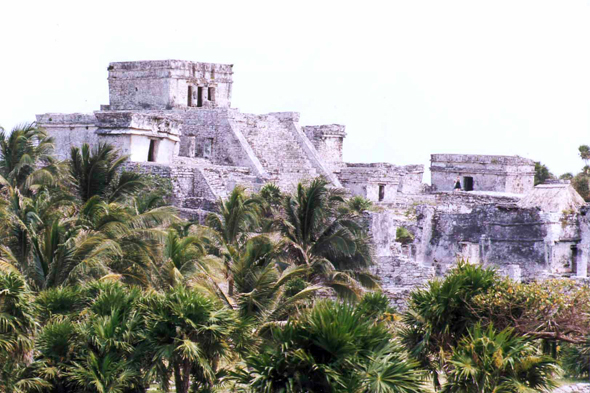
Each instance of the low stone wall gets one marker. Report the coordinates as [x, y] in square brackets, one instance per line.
[400, 275]
[575, 388]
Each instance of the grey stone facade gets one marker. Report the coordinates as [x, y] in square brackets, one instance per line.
[482, 173]
[174, 119]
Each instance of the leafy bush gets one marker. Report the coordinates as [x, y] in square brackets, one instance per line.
[375, 305]
[332, 348]
[490, 361]
[552, 309]
[403, 236]
[575, 360]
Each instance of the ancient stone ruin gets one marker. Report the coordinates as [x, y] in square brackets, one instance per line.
[174, 119]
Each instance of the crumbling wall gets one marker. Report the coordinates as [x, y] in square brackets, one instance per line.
[396, 264]
[510, 174]
[489, 234]
[328, 140]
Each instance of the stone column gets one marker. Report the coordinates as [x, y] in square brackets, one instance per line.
[204, 99]
[582, 263]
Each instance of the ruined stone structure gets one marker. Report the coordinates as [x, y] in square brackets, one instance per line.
[174, 119]
[482, 173]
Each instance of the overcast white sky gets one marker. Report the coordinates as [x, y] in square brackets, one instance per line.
[407, 77]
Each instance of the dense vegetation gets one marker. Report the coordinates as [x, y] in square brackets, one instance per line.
[103, 288]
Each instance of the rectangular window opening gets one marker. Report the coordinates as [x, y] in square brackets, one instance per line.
[200, 96]
[151, 151]
[381, 192]
[211, 94]
[468, 183]
[208, 148]
[189, 101]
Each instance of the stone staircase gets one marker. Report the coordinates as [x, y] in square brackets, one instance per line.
[277, 149]
[205, 182]
[223, 179]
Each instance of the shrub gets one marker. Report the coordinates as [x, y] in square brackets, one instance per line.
[403, 236]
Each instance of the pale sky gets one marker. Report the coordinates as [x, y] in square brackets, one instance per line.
[407, 77]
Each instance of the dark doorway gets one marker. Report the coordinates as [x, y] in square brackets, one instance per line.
[200, 96]
[381, 192]
[189, 101]
[151, 155]
[574, 259]
[468, 183]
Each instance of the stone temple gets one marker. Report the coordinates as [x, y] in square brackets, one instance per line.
[174, 119]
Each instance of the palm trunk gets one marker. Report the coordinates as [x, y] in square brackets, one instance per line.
[182, 376]
[178, 378]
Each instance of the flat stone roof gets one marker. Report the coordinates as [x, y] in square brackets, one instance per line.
[481, 159]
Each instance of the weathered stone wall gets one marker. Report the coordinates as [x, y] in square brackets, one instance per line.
[396, 264]
[464, 202]
[381, 182]
[69, 130]
[490, 173]
[164, 84]
[328, 140]
[489, 234]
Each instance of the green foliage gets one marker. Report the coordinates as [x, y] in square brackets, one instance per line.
[566, 176]
[331, 348]
[187, 335]
[439, 315]
[576, 360]
[403, 236]
[25, 158]
[17, 327]
[581, 183]
[95, 173]
[551, 310]
[542, 173]
[327, 238]
[359, 204]
[128, 294]
[60, 301]
[490, 361]
[294, 286]
[271, 194]
[375, 305]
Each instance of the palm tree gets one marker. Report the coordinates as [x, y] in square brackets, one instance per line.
[327, 237]
[187, 335]
[63, 301]
[271, 200]
[102, 374]
[439, 315]
[17, 330]
[25, 157]
[58, 344]
[263, 289]
[331, 348]
[116, 240]
[95, 173]
[490, 361]
[98, 349]
[237, 217]
[186, 258]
